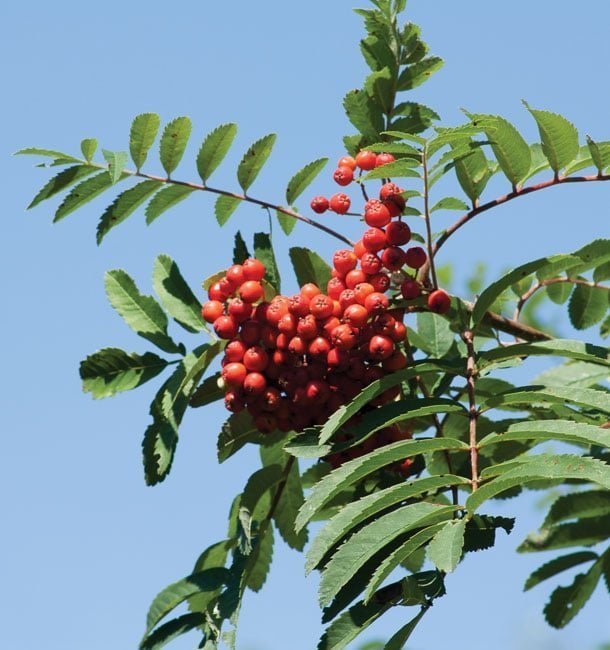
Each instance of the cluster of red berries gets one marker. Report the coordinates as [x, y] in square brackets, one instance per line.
[379, 249]
[293, 361]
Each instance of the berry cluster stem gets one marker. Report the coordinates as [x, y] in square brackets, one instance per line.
[429, 243]
[473, 413]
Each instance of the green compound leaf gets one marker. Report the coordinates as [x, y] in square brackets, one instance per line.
[142, 134]
[436, 332]
[356, 512]
[254, 159]
[237, 431]
[542, 430]
[414, 75]
[83, 193]
[344, 413]
[207, 392]
[263, 251]
[169, 631]
[173, 143]
[88, 146]
[558, 565]
[510, 149]
[371, 539]
[450, 203]
[204, 581]
[356, 469]
[287, 222]
[587, 306]
[412, 118]
[583, 532]
[309, 267]
[224, 207]
[168, 408]
[66, 178]
[574, 373]
[363, 113]
[472, 171]
[542, 466]
[261, 559]
[111, 371]
[214, 149]
[125, 205]
[303, 178]
[566, 602]
[445, 549]
[176, 295]
[493, 291]
[47, 153]
[142, 313]
[528, 395]
[117, 160]
[597, 156]
[167, 198]
[579, 505]
[559, 292]
[240, 250]
[402, 168]
[350, 624]
[559, 138]
[398, 640]
[571, 349]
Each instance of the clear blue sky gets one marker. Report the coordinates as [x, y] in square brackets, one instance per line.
[85, 544]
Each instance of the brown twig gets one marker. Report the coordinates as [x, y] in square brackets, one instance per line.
[545, 283]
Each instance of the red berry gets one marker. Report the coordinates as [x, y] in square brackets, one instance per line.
[227, 286]
[335, 288]
[376, 303]
[216, 292]
[393, 258]
[347, 298]
[321, 306]
[410, 289]
[234, 402]
[275, 311]
[319, 347]
[240, 310]
[366, 160]
[226, 327]
[253, 269]
[297, 345]
[399, 332]
[343, 176]
[329, 325]
[251, 291]
[338, 359]
[298, 305]
[254, 383]
[235, 274]
[310, 290]
[307, 327]
[374, 239]
[255, 359]
[398, 233]
[415, 257]
[393, 208]
[397, 361]
[251, 332]
[319, 204]
[439, 301]
[234, 374]
[266, 423]
[344, 337]
[288, 324]
[384, 159]
[359, 249]
[211, 310]
[362, 290]
[356, 315]
[376, 214]
[347, 161]
[272, 399]
[380, 282]
[354, 278]
[345, 260]
[340, 203]
[380, 347]
[370, 263]
[235, 350]
[389, 190]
